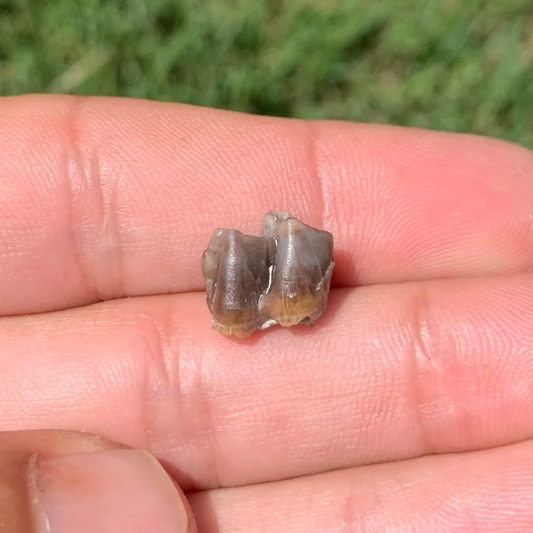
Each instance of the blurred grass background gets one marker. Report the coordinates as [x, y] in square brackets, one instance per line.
[444, 64]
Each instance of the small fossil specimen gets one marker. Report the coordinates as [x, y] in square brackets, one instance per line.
[280, 277]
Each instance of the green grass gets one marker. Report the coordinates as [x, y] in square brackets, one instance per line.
[445, 64]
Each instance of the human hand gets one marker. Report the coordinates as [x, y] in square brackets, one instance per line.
[407, 407]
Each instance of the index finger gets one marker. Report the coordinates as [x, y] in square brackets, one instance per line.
[105, 198]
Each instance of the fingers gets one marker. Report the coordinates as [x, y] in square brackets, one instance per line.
[485, 491]
[391, 372]
[66, 482]
[103, 198]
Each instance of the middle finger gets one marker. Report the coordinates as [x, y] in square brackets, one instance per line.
[391, 372]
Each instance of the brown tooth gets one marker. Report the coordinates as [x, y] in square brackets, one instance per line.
[301, 274]
[235, 267]
[280, 277]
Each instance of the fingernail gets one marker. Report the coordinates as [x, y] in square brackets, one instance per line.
[121, 491]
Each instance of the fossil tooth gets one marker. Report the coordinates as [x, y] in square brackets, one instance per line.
[301, 273]
[234, 269]
[280, 277]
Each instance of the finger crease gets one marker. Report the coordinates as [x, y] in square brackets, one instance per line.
[93, 236]
[209, 422]
[420, 354]
[75, 173]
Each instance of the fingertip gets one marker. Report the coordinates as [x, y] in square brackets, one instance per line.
[120, 490]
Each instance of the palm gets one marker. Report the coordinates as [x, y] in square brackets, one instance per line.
[426, 348]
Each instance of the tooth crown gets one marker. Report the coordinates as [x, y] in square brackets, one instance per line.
[280, 277]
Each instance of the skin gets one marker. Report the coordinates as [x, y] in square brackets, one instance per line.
[408, 407]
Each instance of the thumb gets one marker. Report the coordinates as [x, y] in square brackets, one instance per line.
[69, 482]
